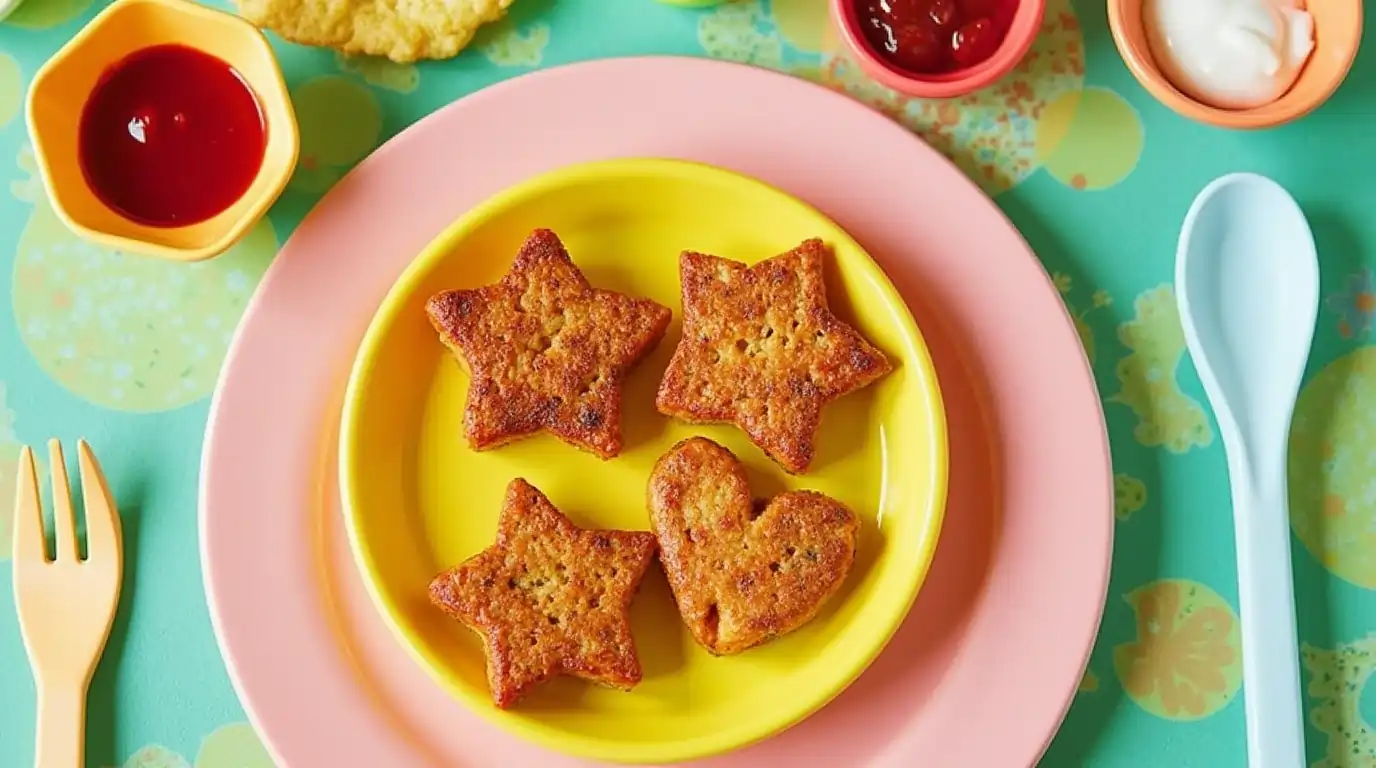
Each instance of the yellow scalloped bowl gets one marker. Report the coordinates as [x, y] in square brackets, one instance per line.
[418, 500]
[63, 84]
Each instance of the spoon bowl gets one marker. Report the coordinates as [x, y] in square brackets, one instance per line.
[1247, 284]
[1251, 285]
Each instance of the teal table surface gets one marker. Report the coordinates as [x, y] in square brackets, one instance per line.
[1097, 175]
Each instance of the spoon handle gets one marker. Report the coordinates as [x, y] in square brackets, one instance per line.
[1266, 592]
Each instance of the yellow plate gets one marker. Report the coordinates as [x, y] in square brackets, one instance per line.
[418, 500]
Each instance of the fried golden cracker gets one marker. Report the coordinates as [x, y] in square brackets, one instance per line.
[402, 32]
[761, 350]
[743, 572]
[546, 350]
[549, 598]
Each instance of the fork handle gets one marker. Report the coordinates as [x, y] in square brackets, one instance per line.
[61, 741]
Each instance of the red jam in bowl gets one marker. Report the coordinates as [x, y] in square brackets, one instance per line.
[171, 136]
[931, 37]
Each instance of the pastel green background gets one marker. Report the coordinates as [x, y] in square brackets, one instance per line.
[1096, 175]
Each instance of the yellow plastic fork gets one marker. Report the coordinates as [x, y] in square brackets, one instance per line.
[66, 604]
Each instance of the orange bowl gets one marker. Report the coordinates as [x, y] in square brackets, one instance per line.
[62, 86]
[1337, 36]
[1022, 32]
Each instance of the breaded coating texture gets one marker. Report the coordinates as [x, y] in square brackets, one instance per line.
[761, 350]
[545, 350]
[401, 30]
[549, 598]
[744, 572]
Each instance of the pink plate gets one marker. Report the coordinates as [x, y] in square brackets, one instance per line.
[1003, 628]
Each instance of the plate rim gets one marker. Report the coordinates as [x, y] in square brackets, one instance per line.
[931, 506]
[249, 663]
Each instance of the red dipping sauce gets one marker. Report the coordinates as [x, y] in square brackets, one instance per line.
[935, 36]
[171, 136]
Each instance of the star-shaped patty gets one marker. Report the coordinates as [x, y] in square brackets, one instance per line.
[549, 598]
[761, 350]
[546, 350]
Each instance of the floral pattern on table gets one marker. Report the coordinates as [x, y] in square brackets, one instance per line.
[508, 45]
[1337, 680]
[1355, 305]
[1089, 138]
[1129, 495]
[232, 746]
[745, 32]
[10, 447]
[1186, 661]
[45, 14]
[1040, 115]
[380, 72]
[1089, 683]
[156, 756]
[1147, 377]
[123, 331]
[1333, 467]
[11, 88]
[340, 123]
[804, 24]
[1098, 300]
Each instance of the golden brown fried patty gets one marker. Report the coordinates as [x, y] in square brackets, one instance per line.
[744, 572]
[549, 598]
[545, 350]
[761, 350]
[401, 31]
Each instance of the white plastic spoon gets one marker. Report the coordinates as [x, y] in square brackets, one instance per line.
[1247, 283]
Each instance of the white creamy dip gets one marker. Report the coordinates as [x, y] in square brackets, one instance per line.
[1230, 54]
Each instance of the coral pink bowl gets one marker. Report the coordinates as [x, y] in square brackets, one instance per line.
[1021, 34]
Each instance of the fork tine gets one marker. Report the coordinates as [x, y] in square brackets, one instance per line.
[64, 518]
[29, 543]
[103, 530]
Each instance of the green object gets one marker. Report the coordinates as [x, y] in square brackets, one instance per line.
[1096, 174]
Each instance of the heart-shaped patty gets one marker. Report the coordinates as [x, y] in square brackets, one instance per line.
[744, 572]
